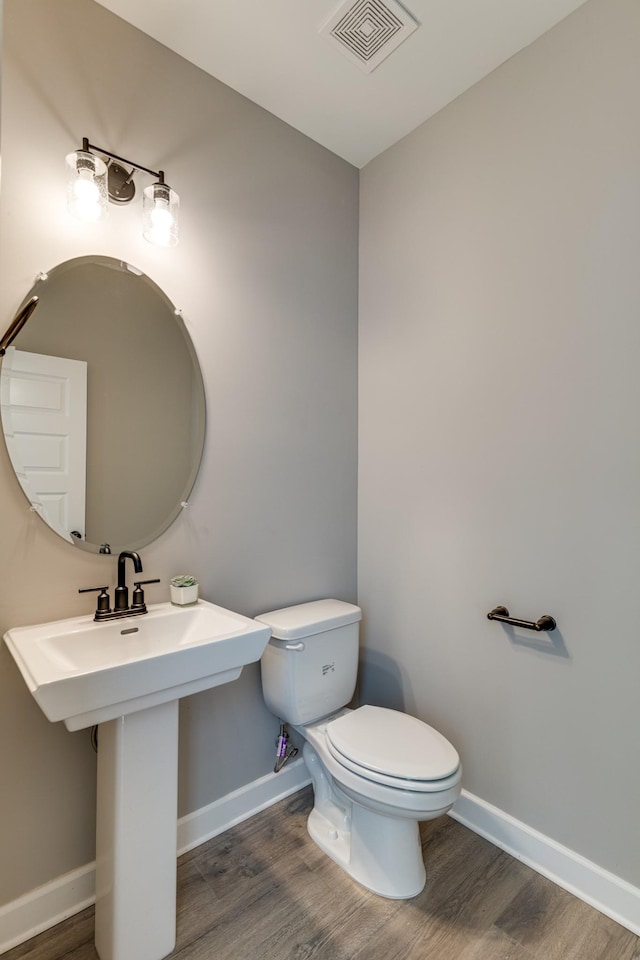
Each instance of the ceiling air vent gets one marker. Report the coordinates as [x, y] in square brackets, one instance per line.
[367, 31]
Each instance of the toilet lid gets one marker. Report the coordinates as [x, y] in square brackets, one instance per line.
[391, 743]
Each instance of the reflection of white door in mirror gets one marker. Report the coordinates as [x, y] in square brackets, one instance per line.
[44, 412]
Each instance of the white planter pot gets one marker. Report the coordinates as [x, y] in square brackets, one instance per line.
[184, 595]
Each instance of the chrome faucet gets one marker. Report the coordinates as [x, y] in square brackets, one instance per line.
[121, 605]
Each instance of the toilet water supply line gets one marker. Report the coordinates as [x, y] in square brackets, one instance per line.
[283, 751]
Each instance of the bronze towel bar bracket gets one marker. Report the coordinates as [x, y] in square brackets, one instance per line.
[501, 614]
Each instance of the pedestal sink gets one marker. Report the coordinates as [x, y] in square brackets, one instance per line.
[127, 676]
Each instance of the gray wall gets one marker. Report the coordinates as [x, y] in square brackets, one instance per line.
[499, 442]
[266, 276]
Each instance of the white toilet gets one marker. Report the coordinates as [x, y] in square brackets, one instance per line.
[376, 772]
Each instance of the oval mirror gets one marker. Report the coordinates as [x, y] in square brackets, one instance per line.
[102, 405]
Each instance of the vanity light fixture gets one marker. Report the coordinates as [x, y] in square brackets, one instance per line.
[92, 182]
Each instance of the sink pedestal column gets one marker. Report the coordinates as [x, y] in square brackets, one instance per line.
[136, 834]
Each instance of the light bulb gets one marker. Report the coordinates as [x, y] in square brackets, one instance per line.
[86, 194]
[161, 221]
[86, 186]
[160, 206]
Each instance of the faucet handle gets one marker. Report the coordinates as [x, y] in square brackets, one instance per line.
[104, 604]
[137, 597]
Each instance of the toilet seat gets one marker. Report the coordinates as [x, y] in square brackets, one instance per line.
[392, 748]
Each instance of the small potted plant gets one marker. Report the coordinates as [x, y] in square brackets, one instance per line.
[184, 589]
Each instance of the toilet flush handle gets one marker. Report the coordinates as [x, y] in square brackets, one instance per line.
[294, 646]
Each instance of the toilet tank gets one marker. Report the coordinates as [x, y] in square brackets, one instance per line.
[310, 665]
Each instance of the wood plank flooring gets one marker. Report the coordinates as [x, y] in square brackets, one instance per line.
[264, 891]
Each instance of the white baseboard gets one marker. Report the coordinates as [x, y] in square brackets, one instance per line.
[46, 905]
[61, 898]
[221, 815]
[603, 890]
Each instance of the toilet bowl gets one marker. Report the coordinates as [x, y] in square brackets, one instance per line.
[376, 772]
[367, 820]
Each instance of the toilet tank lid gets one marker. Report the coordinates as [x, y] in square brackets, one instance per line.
[305, 619]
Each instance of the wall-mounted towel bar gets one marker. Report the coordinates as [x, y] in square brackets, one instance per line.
[502, 615]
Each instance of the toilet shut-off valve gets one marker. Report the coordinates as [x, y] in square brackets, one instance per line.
[283, 751]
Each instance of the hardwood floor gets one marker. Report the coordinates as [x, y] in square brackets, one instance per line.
[264, 891]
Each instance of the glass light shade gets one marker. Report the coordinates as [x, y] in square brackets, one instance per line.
[87, 197]
[160, 206]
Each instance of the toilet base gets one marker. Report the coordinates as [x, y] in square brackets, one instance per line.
[391, 867]
[382, 853]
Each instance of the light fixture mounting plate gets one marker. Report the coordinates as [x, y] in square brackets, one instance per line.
[121, 187]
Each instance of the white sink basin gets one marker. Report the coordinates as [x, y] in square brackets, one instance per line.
[85, 672]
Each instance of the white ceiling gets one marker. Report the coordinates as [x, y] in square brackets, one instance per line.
[271, 51]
